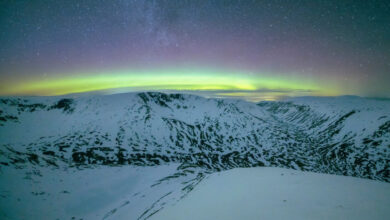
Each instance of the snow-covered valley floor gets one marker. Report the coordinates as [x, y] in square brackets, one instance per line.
[276, 193]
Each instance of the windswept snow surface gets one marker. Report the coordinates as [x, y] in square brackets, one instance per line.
[276, 193]
[94, 193]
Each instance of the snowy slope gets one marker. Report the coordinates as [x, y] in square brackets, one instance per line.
[43, 136]
[275, 193]
[350, 135]
[88, 193]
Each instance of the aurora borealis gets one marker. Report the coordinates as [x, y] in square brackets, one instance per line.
[255, 50]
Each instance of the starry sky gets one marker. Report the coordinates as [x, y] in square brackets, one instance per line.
[249, 49]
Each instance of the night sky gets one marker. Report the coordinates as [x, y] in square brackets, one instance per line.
[256, 50]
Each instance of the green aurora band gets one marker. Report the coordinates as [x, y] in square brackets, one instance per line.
[250, 86]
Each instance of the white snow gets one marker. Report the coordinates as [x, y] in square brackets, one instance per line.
[129, 192]
[276, 193]
[97, 193]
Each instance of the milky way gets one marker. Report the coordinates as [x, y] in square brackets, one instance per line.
[256, 50]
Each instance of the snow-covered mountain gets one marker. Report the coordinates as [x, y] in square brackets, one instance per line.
[187, 137]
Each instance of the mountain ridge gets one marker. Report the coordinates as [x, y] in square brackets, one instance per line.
[345, 136]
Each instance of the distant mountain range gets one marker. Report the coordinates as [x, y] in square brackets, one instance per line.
[336, 135]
